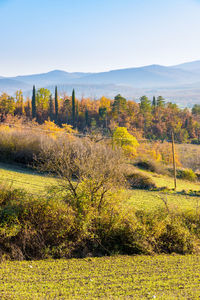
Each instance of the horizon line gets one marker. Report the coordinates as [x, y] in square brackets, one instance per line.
[89, 72]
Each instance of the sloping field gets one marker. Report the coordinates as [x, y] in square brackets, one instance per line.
[119, 277]
[166, 181]
[150, 200]
[139, 199]
[19, 177]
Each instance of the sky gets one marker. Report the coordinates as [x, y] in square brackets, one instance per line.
[96, 35]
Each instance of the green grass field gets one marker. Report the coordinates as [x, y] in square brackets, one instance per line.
[19, 177]
[163, 180]
[150, 200]
[119, 277]
[32, 181]
[139, 199]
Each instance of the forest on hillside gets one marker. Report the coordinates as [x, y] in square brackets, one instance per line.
[153, 119]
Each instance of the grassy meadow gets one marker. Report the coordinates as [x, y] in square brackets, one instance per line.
[19, 177]
[33, 182]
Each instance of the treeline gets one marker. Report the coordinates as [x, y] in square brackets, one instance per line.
[153, 119]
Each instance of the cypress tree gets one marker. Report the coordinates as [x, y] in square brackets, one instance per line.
[103, 115]
[73, 109]
[77, 113]
[56, 104]
[86, 118]
[51, 108]
[154, 102]
[34, 103]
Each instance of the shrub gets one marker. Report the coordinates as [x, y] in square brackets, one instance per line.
[186, 174]
[120, 232]
[20, 146]
[168, 231]
[195, 141]
[43, 227]
[152, 166]
[176, 238]
[33, 228]
[89, 170]
[140, 181]
[38, 228]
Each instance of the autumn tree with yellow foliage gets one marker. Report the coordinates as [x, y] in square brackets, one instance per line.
[123, 139]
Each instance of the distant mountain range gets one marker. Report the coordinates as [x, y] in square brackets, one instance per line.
[180, 83]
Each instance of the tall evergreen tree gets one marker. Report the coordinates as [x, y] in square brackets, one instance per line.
[145, 110]
[56, 104]
[120, 104]
[77, 113]
[73, 109]
[103, 115]
[154, 102]
[51, 108]
[86, 118]
[145, 104]
[34, 103]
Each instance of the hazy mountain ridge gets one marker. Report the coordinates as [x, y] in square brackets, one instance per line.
[10, 86]
[172, 82]
[193, 66]
[50, 77]
[143, 77]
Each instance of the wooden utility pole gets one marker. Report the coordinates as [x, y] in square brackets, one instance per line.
[174, 160]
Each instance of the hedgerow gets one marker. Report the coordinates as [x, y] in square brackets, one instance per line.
[43, 227]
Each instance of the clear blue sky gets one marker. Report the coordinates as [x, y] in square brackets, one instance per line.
[96, 35]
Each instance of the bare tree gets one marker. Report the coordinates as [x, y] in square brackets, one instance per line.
[89, 170]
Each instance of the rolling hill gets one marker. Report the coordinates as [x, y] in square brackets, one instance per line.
[143, 77]
[53, 77]
[193, 66]
[9, 85]
[180, 83]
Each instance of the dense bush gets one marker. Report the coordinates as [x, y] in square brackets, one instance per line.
[187, 174]
[37, 228]
[138, 180]
[21, 146]
[176, 238]
[195, 141]
[169, 231]
[34, 227]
